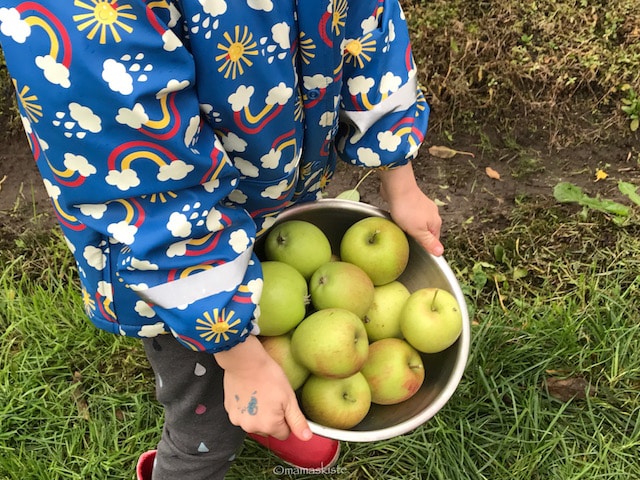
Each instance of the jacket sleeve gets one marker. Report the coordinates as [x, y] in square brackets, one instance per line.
[138, 180]
[384, 114]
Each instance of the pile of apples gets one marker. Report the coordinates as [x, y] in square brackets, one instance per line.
[344, 329]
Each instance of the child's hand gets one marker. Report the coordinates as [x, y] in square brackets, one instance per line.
[411, 209]
[257, 394]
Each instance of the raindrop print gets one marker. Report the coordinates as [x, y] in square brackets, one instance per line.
[199, 370]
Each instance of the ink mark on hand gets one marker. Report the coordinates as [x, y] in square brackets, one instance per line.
[252, 406]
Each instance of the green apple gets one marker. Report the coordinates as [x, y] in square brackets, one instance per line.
[431, 320]
[341, 285]
[284, 299]
[336, 402]
[394, 371]
[382, 320]
[279, 348]
[378, 246]
[299, 243]
[331, 343]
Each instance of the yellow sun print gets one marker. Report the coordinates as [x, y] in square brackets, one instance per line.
[29, 103]
[235, 52]
[339, 15]
[105, 17]
[218, 327]
[307, 48]
[359, 50]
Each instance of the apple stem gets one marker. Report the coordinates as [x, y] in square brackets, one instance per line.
[348, 397]
[433, 300]
[281, 239]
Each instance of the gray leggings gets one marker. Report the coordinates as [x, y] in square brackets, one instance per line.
[198, 440]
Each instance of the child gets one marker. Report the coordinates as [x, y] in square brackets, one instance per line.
[169, 135]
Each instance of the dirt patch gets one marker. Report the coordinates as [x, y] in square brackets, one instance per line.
[468, 196]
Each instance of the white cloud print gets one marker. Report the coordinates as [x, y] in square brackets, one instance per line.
[149, 331]
[93, 210]
[13, 26]
[134, 117]
[177, 249]
[239, 241]
[172, 86]
[53, 191]
[275, 191]
[171, 41]
[138, 264]
[279, 95]
[78, 163]
[123, 180]
[179, 225]
[240, 99]
[123, 232]
[360, 85]
[388, 141]
[214, 7]
[280, 33]
[95, 257]
[85, 117]
[265, 5]
[233, 143]
[116, 76]
[175, 170]
[53, 71]
[255, 287]
[316, 81]
[389, 83]
[368, 157]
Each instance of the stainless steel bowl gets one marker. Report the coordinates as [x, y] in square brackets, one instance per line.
[443, 370]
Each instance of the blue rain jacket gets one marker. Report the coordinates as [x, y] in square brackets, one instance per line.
[170, 133]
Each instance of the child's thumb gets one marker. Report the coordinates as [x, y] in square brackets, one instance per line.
[298, 423]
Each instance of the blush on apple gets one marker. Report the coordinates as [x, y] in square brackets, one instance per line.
[331, 343]
[341, 285]
[394, 371]
[279, 348]
[378, 246]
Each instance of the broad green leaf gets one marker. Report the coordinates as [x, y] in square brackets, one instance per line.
[353, 195]
[520, 272]
[630, 190]
[568, 192]
[606, 206]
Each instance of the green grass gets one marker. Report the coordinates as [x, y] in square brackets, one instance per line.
[550, 298]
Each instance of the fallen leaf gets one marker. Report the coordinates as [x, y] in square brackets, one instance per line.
[77, 394]
[446, 152]
[491, 173]
[601, 174]
[566, 389]
[352, 195]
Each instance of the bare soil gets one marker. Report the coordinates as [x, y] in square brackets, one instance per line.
[471, 198]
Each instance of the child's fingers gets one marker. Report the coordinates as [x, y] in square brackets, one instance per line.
[297, 422]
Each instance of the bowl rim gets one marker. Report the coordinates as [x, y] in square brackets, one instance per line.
[464, 340]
